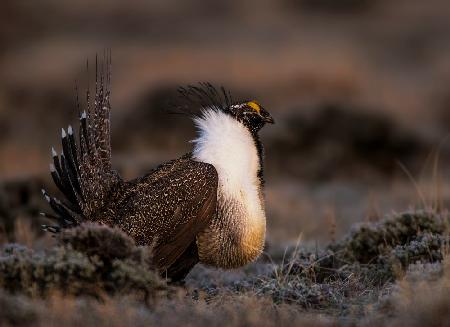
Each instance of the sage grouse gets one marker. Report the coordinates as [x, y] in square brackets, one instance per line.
[206, 206]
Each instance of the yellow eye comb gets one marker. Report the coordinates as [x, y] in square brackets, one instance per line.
[254, 105]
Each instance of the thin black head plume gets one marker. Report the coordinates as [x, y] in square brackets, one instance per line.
[204, 95]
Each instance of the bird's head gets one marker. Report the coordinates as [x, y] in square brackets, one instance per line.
[207, 97]
[251, 114]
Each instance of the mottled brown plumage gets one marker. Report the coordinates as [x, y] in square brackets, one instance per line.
[184, 208]
[167, 207]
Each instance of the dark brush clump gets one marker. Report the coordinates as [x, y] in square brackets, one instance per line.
[334, 7]
[359, 143]
[153, 124]
[425, 248]
[19, 198]
[405, 239]
[92, 260]
[369, 241]
[100, 240]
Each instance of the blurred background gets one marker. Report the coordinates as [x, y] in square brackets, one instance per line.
[359, 89]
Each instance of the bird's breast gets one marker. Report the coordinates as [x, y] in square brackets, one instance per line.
[236, 235]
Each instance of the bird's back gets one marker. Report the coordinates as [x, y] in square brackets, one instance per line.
[153, 206]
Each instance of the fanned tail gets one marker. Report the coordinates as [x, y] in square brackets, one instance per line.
[83, 173]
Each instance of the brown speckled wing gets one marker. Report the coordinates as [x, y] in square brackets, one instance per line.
[169, 250]
[169, 208]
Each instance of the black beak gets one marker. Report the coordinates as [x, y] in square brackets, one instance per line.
[267, 118]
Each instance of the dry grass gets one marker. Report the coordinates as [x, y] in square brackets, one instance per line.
[243, 310]
[421, 299]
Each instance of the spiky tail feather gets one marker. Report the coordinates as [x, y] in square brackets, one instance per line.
[83, 173]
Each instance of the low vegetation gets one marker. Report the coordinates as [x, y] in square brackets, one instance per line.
[90, 260]
[378, 274]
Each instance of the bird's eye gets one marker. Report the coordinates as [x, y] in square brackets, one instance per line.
[254, 105]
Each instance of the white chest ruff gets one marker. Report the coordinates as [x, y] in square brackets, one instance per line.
[240, 223]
